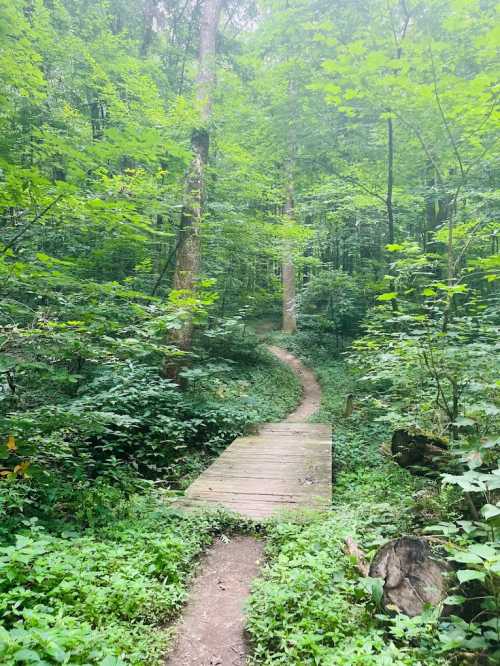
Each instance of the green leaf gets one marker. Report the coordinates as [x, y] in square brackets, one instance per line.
[467, 558]
[465, 575]
[26, 655]
[388, 296]
[464, 421]
[484, 551]
[489, 511]
[454, 600]
[110, 660]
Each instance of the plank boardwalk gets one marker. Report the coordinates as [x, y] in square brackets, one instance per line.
[286, 465]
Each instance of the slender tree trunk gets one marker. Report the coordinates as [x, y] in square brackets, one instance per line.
[188, 255]
[389, 203]
[288, 269]
[289, 318]
[149, 15]
[390, 180]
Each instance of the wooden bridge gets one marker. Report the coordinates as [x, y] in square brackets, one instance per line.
[285, 466]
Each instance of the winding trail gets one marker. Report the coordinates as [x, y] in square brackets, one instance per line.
[286, 465]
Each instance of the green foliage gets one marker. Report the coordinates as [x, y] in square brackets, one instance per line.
[86, 456]
[378, 121]
[310, 606]
[474, 548]
[331, 303]
[100, 598]
[424, 376]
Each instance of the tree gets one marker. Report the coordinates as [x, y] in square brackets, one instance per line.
[188, 254]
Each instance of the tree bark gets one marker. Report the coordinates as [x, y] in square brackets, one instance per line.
[188, 255]
[390, 180]
[415, 447]
[289, 318]
[288, 270]
[412, 576]
[149, 10]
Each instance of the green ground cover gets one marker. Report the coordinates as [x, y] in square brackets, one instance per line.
[93, 569]
[311, 606]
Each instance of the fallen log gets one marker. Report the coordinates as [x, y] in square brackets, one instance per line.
[414, 447]
[412, 576]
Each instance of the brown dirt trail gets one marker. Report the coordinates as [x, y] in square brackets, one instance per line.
[212, 629]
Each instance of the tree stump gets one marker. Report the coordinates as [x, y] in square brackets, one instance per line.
[412, 576]
[415, 447]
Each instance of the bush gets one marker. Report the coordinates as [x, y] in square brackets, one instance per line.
[332, 303]
[130, 425]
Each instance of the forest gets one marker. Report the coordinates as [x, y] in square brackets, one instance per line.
[210, 211]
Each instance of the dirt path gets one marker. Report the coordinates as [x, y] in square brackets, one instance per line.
[311, 398]
[212, 629]
[285, 465]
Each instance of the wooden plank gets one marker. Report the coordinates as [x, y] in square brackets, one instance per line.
[254, 512]
[285, 466]
[272, 486]
[268, 475]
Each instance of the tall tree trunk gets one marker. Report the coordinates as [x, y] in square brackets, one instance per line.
[188, 255]
[288, 269]
[389, 202]
[149, 15]
[390, 180]
[289, 318]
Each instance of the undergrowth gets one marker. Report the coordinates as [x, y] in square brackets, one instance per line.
[131, 428]
[93, 565]
[102, 597]
[311, 607]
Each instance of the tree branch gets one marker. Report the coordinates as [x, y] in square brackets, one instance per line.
[37, 217]
[443, 116]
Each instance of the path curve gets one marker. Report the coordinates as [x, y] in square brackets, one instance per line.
[286, 465]
[311, 397]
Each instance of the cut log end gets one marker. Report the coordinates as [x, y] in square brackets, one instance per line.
[412, 577]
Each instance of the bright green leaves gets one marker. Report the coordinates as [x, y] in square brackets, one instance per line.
[489, 511]
[388, 296]
[466, 575]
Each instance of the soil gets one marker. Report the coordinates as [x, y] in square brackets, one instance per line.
[311, 399]
[211, 632]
